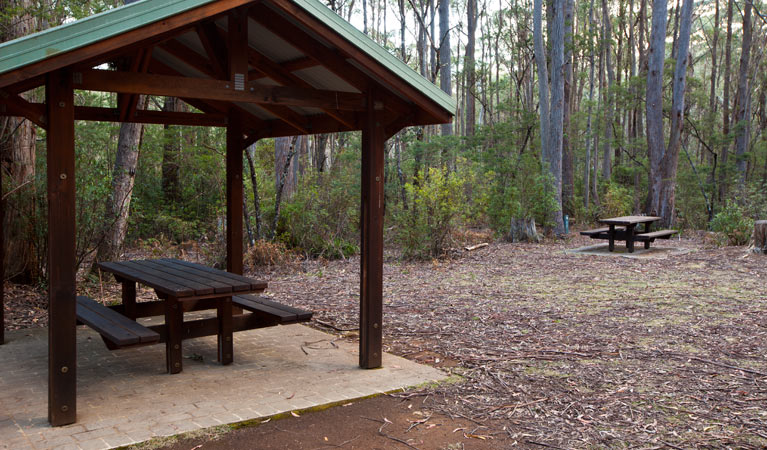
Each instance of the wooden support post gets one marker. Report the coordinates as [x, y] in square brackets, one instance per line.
[174, 323]
[2, 267]
[62, 347]
[225, 338]
[238, 74]
[234, 195]
[371, 271]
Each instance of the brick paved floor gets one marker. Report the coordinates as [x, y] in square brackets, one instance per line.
[126, 397]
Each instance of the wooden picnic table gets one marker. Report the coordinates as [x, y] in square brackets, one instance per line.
[624, 228]
[182, 286]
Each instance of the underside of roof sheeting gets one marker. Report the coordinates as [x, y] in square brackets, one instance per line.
[188, 38]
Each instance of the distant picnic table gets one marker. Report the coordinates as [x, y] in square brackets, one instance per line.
[624, 228]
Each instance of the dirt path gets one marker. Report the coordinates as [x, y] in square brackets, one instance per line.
[554, 349]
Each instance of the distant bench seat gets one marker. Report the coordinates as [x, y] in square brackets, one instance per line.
[597, 231]
[270, 311]
[117, 330]
[653, 235]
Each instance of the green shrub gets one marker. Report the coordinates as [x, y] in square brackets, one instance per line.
[321, 218]
[733, 225]
[617, 200]
[436, 199]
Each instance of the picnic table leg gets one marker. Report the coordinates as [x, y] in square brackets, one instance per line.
[174, 317]
[225, 338]
[611, 236]
[647, 230]
[630, 238]
[129, 297]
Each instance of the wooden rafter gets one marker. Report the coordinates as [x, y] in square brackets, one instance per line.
[274, 71]
[336, 62]
[217, 54]
[14, 105]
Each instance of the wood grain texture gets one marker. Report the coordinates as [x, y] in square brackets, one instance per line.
[62, 350]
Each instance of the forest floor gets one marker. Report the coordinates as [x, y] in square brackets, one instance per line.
[553, 350]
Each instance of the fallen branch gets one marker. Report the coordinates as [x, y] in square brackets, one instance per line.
[330, 325]
[474, 247]
[714, 363]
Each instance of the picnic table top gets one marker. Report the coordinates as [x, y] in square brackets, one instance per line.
[628, 220]
[182, 279]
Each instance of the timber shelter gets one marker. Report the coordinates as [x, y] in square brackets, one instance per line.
[260, 68]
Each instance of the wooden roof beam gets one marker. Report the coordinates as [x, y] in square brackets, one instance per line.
[15, 105]
[154, 117]
[221, 90]
[274, 71]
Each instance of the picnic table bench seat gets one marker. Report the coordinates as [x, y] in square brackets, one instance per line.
[660, 234]
[117, 330]
[270, 311]
[598, 231]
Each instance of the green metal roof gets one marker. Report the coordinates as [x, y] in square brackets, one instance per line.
[372, 48]
[39, 46]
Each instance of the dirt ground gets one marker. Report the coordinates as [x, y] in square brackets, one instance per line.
[553, 350]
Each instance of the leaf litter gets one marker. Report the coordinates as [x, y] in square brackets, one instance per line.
[555, 350]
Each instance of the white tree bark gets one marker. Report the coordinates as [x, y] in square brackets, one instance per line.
[543, 81]
[556, 131]
[741, 142]
[655, 145]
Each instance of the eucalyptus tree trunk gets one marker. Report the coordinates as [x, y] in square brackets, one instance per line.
[567, 153]
[554, 161]
[655, 146]
[18, 138]
[714, 62]
[726, 105]
[171, 149]
[587, 166]
[607, 150]
[123, 179]
[282, 168]
[469, 66]
[670, 160]
[254, 184]
[445, 70]
[543, 84]
[742, 102]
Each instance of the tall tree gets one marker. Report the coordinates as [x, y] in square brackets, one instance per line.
[655, 144]
[742, 101]
[543, 76]
[556, 131]
[17, 150]
[726, 105]
[587, 165]
[445, 68]
[469, 66]
[171, 149]
[123, 179]
[607, 37]
[664, 161]
[568, 177]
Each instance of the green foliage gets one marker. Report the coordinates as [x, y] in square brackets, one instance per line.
[733, 224]
[435, 200]
[321, 218]
[617, 200]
